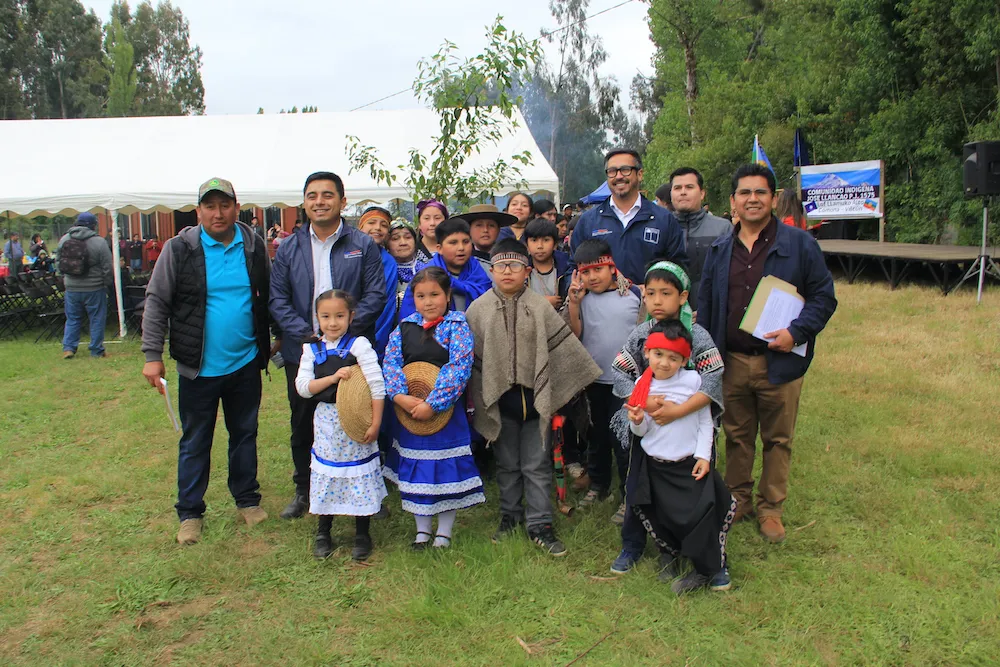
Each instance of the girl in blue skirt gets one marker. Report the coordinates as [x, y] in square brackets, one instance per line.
[436, 474]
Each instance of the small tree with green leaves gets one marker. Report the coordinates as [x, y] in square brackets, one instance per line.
[475, 104]
[121, 66]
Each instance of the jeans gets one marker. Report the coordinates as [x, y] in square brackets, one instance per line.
[95, 306]
[602, 442]
[302, 431]
[524, 467]
[136, 264]
[198, 400]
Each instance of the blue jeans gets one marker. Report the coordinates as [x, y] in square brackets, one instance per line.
[198, 400]
[136, 264]
[95, 306]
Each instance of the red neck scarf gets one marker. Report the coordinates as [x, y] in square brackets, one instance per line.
[430, 324]
[656, 341]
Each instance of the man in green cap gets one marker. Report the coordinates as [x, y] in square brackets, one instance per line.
[210, 289]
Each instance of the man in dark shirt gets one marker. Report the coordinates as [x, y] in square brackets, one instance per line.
[762, 379]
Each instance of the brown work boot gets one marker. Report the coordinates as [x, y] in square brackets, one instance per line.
[743, 512]
[190, 531]
[253, 515]
[771, 529]
[68, 354]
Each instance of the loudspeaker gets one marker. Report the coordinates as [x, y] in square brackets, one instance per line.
[981, 169]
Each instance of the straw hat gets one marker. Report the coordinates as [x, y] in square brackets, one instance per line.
[354, 403]
[420, 379]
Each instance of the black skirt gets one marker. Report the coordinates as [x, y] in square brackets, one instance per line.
[686, 516]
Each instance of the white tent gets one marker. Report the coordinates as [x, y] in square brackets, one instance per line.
[145, 164]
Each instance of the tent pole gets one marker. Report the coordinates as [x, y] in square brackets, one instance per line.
[116, 261]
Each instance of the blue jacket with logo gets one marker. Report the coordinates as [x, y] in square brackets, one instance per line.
[653, 234]
[356, 268]
[794, 257]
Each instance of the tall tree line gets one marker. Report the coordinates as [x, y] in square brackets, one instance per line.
[905, 81]
[57, 60]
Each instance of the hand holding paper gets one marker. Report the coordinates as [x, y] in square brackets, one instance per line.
[774, 306]
[170, 409]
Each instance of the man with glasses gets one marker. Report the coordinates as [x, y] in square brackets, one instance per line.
[763, 379]
[638, 231]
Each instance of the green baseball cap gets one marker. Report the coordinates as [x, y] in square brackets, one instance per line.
[216, 185]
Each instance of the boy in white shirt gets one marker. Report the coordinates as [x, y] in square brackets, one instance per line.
[689, 506]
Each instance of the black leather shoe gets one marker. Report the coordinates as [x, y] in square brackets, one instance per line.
[297, 508]
[362, 547]
[324, 546]
[383, 512]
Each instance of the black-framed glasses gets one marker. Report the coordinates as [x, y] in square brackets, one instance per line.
[624, 171]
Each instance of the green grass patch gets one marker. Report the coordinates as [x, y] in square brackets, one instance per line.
[892, 554]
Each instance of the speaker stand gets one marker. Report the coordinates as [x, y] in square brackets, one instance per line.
[984, 264]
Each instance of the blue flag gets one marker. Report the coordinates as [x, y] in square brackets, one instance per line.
[801, 150]
[759, 156]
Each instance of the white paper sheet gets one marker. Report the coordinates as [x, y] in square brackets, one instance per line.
[170, 408]
[780, 309]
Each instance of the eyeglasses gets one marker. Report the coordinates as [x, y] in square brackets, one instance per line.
[508, 267]
[624, 171]
[760, 192]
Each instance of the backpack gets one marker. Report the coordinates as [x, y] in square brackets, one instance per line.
[74, 258]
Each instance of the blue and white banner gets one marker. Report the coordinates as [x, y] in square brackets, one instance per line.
[844, 190]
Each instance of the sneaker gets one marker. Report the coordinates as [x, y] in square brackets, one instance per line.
[626, 561]
[508, 524]
[68, 354]
[362, 547]
[253, 515]
[689, 583]
[592, 497]
[190, 531]
[721, 581]
[545, 537]
[619, 517]
[296, 508]
[670, 567]
[99, 355]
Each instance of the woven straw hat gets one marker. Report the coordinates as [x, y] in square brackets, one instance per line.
[354, 403]
[420, 379]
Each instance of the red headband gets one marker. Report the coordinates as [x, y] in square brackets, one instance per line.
[603, 260]
[656, 341]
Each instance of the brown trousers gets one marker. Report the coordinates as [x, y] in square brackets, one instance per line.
[753, 403]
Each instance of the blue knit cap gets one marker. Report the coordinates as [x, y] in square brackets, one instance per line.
[86, 219]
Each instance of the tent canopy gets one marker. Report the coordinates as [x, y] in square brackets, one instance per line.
[157, 163]
[598, 195]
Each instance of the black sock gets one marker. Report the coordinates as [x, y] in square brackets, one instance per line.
[325, 524]
[362, 525]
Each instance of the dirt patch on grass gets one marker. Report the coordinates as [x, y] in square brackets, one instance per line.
[160, 616]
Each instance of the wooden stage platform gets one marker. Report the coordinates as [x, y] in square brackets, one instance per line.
[946, 263]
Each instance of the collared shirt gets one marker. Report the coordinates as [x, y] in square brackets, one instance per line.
[229, 327]
[746, 268]
[626, 217]
[322, 271]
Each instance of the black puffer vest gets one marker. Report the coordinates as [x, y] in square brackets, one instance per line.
[187, 322]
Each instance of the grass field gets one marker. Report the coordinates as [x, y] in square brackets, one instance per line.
[892, 555]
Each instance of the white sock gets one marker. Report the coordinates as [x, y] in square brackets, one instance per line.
[423, 527]
[446, 521]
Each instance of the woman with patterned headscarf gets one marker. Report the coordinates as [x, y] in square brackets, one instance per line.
[402, 245]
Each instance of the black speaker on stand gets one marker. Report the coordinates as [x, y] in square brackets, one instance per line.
[981, 178]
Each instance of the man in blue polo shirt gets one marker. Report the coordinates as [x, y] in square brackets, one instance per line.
[210, 287]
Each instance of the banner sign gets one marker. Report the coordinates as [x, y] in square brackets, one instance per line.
[844, 190]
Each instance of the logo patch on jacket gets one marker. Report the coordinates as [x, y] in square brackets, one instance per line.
[353, 254]
[651, 235]
[600, 232]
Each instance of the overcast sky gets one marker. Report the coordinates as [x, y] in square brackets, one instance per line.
[340, 55]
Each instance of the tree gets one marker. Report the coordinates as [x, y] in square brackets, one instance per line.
[122, 87]
[475, 103]
[168, 67]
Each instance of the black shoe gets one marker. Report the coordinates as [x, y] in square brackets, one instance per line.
[545, 537]
[670, 567]
[420, 546]
[383, 512]
[297, 508]
[689, 583]
[324, 545]
[362, 547]
[508, 524]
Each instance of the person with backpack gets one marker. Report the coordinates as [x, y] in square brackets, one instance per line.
[85, 263]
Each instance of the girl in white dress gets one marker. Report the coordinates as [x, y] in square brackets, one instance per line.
[346, 476]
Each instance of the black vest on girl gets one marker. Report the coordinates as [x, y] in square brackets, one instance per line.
[419, 345]
[329, 362]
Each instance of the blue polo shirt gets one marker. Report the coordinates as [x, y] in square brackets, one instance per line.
[229, 338]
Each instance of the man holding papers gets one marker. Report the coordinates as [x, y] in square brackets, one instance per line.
[764, 275]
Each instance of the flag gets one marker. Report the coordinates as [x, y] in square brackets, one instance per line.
[801, 150]
[759, 156]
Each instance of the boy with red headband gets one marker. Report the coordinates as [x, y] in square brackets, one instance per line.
[604, 308]
[689, 508]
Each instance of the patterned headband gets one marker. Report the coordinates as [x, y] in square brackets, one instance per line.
[375, 213]
[508, 257]
[675, 269]
[603, 260]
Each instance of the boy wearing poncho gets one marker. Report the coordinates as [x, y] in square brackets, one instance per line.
[689, 508]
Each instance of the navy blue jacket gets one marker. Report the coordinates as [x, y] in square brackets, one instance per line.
[794, 257]
[356, 268]
[653, 234]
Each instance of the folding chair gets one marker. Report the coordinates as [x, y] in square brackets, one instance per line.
[135, 305]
